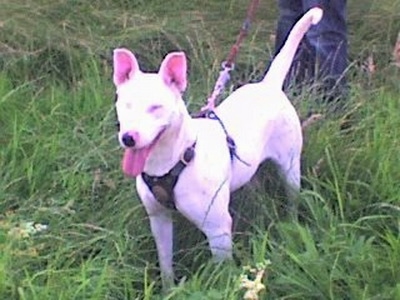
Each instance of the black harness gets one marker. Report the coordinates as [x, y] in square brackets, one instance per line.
[163, 186]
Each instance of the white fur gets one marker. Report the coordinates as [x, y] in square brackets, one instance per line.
[258, 116]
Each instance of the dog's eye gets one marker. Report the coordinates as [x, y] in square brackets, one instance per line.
[154, 108]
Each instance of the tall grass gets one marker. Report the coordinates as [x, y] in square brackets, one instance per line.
[59, 160]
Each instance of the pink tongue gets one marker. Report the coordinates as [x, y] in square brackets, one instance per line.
[134, 160]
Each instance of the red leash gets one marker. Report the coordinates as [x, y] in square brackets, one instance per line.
[244, 31]
[229, 63]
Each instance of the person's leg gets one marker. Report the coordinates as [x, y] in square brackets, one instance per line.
[290, 12]
[329, 41]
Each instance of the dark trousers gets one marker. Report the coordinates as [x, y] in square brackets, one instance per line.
[322, 57]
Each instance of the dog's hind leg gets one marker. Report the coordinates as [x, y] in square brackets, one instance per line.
[290, 172]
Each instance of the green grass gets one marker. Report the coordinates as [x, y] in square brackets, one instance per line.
[59, 159]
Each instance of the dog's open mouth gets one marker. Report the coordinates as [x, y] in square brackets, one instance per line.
[134, 160]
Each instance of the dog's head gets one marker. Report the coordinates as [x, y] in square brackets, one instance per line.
[146, 103]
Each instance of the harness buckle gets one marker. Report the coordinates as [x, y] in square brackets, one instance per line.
[187, 155]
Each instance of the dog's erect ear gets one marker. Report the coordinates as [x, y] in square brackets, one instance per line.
[173, 70]
[125, 65]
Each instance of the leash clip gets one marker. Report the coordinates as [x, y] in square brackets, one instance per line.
[246, 25]
[226, 66]
[222, 81]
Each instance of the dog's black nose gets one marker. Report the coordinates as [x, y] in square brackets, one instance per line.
[128, 140]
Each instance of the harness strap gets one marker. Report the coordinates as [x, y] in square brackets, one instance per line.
[162, 187]
[229, 140]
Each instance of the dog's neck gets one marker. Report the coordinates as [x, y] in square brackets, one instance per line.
[178, 136]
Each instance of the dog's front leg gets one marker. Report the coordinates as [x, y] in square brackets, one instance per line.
[208, 210]
[162, 229]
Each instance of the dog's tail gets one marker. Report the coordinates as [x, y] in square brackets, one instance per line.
[281, 64]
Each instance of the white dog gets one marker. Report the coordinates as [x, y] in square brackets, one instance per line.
[159, 135]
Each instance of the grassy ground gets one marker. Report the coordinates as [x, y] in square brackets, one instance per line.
[59, 159]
